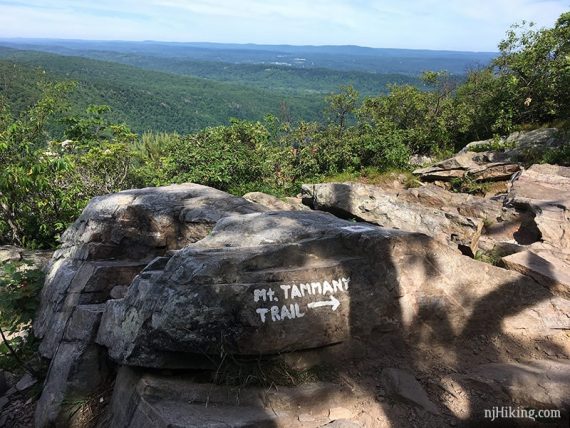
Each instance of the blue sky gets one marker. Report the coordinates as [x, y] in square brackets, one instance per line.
[476, 25]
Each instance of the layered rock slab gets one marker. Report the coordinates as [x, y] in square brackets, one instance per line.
[274, 282]
[494, 160]
[432, 211]
[144, 400]
[544, 190]
[485, 166]
[548, 268]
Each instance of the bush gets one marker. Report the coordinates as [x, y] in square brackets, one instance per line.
[224, 157]
[20, 286]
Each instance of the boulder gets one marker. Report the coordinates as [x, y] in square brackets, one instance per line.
[115, 237]
[275, 282]
[274, 203]
[78, 368]
[519, 146]
[464, 204]
[431, 211]
[484, 166]
[10, 253]
[34, 259]
[545, 190]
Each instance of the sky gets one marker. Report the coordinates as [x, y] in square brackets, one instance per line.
[472, 25]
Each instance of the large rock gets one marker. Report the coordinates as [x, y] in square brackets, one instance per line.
[467, 205]
[475, 166]
[78, 368]
[115, 237]
[34, 259]
[545, 190]
[275, 282]
[495, 159]
[519, 146]
[10, 253]
[274, 203]
[549, 268]
[146, 400]
[430, 211]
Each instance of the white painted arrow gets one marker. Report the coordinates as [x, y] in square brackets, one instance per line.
[332, 302]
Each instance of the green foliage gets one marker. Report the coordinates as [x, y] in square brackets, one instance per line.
[45, 183]
[495, 145]
[225, 157]
[534, 70]
[426, 121]
[20, 285]
[559, 156]
[148, 100]
[468, 185]
[492, 257]
[33, 207]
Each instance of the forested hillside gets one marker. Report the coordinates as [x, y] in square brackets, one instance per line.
[276, 78]
[410, 62]
[144, 99]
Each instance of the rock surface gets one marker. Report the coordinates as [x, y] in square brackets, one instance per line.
[274, 203]
[519, 145]
[546, 267]
[402, 385]
[150, 400]
[540, 383]
[413, 210]
[189, 278]
[110, 243]
[79, 368]
[275, 282]
[482, 166]
[544, 190]
[115, 237]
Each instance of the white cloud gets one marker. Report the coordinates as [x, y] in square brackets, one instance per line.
[476, 25]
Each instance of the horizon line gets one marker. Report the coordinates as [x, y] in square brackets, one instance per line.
[240, 44]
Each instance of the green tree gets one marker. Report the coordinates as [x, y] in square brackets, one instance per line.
[340, 107]
[31, 206]
[534, 70]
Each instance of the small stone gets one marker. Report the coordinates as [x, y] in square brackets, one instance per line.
[118, 292]
[25, 382]
[305, 417]
[343, 423]
[339, 413]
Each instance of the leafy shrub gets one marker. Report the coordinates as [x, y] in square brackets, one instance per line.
[225, 157]
[20, 286]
